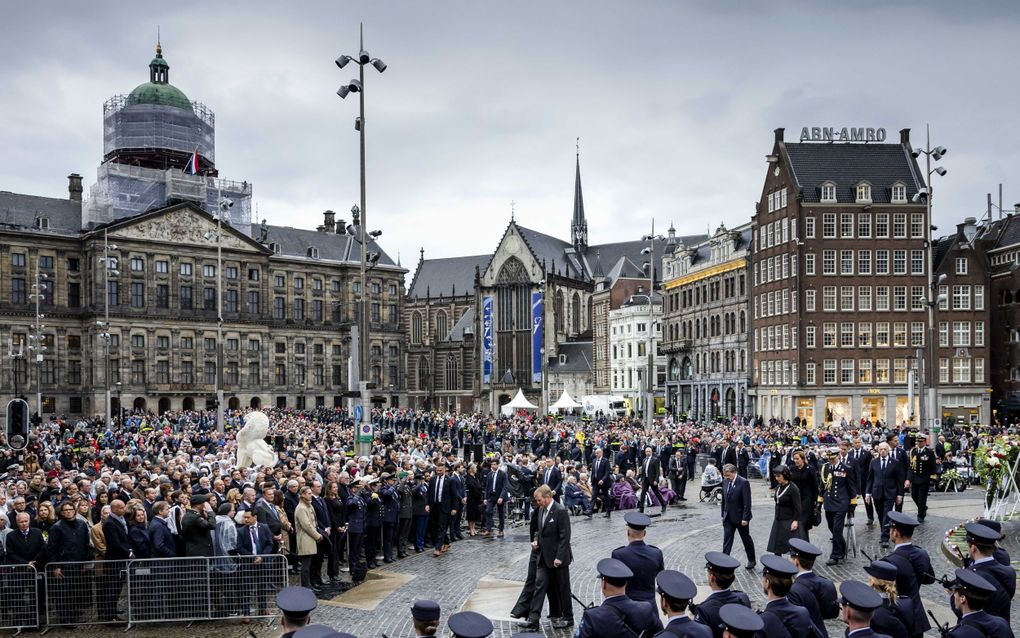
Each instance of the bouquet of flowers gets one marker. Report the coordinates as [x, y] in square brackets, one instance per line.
[998, 468]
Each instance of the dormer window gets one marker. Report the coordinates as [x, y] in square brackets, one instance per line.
[313, 252]
[829, 192]
[42, 223]
[275, 247]
[864, 193]
[899, 193]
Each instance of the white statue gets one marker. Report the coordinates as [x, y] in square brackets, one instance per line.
[251, 448]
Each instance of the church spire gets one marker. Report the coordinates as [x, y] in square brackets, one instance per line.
[578, 225]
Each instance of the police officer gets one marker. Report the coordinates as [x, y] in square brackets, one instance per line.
[776, 579]
[425, 617]
[676, 591]
[913, 567]
[980, 547]
[895, 617]
[618, 615]
[971, 593]
[999, 554]
[321, 631]
[297, 604]
[469, 624]
[720, 568]
[644, 560]
[859, 605]
[838, 497]
[922, 471]
[356, 530]
[390, 514]
[738, 621]
[801, 592]
[803, 554]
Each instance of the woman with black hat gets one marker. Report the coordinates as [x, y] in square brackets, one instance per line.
[788, 512]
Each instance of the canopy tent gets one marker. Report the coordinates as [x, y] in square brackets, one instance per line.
[564, 403]
[520, 402]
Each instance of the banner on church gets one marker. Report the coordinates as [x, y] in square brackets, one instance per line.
[536, 337]
[486, 339]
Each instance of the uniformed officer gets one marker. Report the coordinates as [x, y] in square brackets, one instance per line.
[838, 496]
[676, 591]
[321, 631]
[425, 617]
[809, 590]
[859, 605]
[390, 514]
[896, 615]
[618, 615]
[738, 621]
[720, 568]
[469, 624]
[971, 592]
[913, 567]
[1000, 554]
[356, 513]
[776, 579]
[297, 604]
[644, 560]
[981, 547]
[922, 471]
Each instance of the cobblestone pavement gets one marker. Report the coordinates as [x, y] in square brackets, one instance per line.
[684, 534]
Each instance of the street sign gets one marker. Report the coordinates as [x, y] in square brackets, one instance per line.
[365, 434]
[357, 414]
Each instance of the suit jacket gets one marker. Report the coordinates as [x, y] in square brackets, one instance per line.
[554, 536]
[553, 478]
[22, 550]
[885, 484]
[649, 469]
[444, 501]
[266, 513]
[601, 470]
[263, 540]
[322, 522]
[861, 460]
[496, 487]
[118, 544]
[163, 545]
[736, 501]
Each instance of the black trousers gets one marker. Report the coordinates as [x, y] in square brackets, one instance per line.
[601, 492]
[389, 532]
[354, 544]
[523, 606]
[882, 507]
[919, 494]
[679, 485]
[745, 538]
[323, 552]
[646, 487]
[554, 583]
[372, 535]
[836, 522]
[869, 508]
[404, 536]
[337, 554]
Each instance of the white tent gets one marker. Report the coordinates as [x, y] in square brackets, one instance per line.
[564, 403]
[520, 402]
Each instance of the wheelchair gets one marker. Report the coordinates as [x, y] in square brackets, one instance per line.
[710, 493]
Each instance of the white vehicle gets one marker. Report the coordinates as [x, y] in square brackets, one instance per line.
[609, 405]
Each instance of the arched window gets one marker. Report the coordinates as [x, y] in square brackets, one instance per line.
[416, 328]
[452, 373]
[743, 321]
[558, 311]
[442, 331]
[423, 374]
[575, 314]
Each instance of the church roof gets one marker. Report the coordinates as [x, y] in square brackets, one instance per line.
[464, 329]
[446, 276]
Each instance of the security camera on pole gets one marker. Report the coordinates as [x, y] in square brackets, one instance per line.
[358, 230]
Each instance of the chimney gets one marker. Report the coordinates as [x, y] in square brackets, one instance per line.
[779, 134]
[341, 227]
[968, 228]
[905, 136]
[320, 228]
[328, 221]
[74, 187]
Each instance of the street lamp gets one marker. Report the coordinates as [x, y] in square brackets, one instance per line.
[650, 381]
[36, 340]
[223, 206]
[929, 404]
[104, 325]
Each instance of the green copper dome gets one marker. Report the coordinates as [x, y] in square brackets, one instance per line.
[158, 89]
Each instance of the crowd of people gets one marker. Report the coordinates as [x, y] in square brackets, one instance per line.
[168, 486]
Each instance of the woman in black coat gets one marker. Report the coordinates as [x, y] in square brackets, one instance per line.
[805, 477]
[475, 495]
[788, 512]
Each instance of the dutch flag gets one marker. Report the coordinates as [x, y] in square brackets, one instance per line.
[192, 167]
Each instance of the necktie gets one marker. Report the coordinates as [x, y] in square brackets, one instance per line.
[647, 463]
[883, 465]
[494, 481]
[254, 545]
[439, 490]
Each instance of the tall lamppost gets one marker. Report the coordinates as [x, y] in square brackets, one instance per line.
[929, 405]
[650, 381]
[36, 341]
[358, 86]
[104, 325]
[223, 206]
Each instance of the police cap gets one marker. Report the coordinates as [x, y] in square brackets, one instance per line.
[469, 624]
[296, 602]
[636, 520]
[719, 562]
[321, 631]
[902, 522]
[425, 610]
[740, 621]
[981, 534]
[973, 582]
[882, 570]
[614, 571]
[800, 547]
[859, 596]
[772, 564]
[676, 585]
[987, 522]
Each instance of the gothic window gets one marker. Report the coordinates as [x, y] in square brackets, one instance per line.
[575, 314]
[558, 311]
[416, 328]
[513, 320]
[452, 373]
[441, 326]
[423, 374]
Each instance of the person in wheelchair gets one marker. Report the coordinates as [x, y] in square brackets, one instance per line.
[575, 499]
[711, 482]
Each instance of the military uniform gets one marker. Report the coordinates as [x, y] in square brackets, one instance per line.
[979, 623]
[794, 619]
[677, 591]
[893, 620]
[839, 492]
[1001, 578]
[865, 599]
[355, 534]
[707, 613]
[811, 591]
[644, 560]
[612, 618]
[914, 569]
[922, 471]
[296, 603]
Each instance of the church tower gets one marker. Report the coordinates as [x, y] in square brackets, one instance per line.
[578, 225]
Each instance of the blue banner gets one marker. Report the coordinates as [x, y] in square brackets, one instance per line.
[486, 339]
[536, 337]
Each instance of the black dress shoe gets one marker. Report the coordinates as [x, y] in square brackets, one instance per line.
[528, 625]
[750, 564]
[402, 555]
[832, 561]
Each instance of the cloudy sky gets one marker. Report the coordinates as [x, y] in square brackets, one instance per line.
[674, 102]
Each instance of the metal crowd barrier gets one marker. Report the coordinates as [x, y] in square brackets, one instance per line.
[158, 590]
[19, 597]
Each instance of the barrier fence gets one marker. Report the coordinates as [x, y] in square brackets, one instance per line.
[141, 591]
[19, 597]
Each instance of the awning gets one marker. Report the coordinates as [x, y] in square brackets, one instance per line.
[565, 403]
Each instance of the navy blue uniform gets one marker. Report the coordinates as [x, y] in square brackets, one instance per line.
[866, 632]
[390, 517]
[981, 624]
[684, 627]
[646, 562]
[913, 570]
[618, 616]
[1004, 580]
[800, 594]
[707, 612]
[795, 619]
[824, 592]
[355, 534]
[894, 621]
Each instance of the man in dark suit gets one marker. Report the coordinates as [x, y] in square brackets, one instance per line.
[897, 454]
[25, 546]
[622, 459]
[861, 460]
[324, 526]
[736, 512]
[602, 480]
[884, 488]
[441, 506]
[649, 473]
[677, 469]
[552, 572]
[496, 496]
[118, 552]
[728, 455]
[743, 459]
[552, 477]
[254, 542]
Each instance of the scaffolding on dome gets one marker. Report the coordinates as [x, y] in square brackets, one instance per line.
[128, 127]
